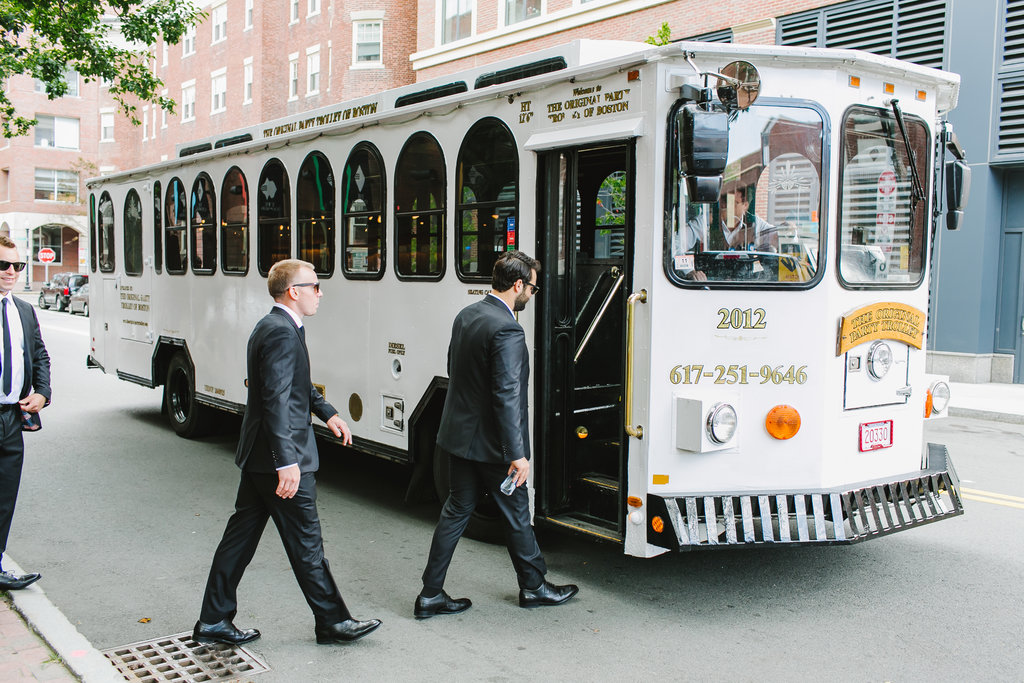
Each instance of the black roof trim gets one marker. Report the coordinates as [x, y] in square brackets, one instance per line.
[431, 93]
[516, 73]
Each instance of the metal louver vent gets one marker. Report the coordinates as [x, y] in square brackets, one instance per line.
[801, 31]
[1013, 39]
[1011, 118]
[867, 27]
[723, 36]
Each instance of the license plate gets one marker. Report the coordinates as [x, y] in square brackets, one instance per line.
[875, 435]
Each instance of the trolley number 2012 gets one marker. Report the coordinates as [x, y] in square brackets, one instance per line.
[741, 318]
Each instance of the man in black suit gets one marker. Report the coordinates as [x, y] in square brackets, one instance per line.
[278, 457]
[25, 386]
[485, 430]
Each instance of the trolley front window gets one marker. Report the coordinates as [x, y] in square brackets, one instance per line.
[764, 229]
[881, 223]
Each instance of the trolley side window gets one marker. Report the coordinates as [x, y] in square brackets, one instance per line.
[274, 217]
[882, 226]
[92, 232]
[175, 246]
[487, 196]
[764, 230]
[132, 226]
[314, 208]
[420, 209]
[234, 222]
[204, 226]
[362, 197]
[158, 228]
[106, 233]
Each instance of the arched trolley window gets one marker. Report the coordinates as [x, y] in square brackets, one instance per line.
[234, 223]
[274, 217]
[132, 226]
[175, 244]
[158, 229]
[105, 219]
[314, 209]
[203, 224]
[487, 179]
[420, 209]
[362, 204]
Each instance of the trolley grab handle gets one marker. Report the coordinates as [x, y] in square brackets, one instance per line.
[641, 296]
[598, 317]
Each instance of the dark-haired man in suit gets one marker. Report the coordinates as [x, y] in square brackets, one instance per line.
[25, 386]
[485, 430]
[278, 456]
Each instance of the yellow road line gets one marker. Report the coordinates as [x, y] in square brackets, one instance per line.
[989, 494]
[994, 501]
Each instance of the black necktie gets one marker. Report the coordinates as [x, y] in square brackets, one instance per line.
[7, 351]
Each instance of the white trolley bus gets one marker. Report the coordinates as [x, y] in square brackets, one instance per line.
[728, 348]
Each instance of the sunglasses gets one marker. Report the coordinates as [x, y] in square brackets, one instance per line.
[18, 265]
[533, 288]
[314, 285]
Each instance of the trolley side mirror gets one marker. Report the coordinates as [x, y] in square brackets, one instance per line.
[703, 151]
[958, 187]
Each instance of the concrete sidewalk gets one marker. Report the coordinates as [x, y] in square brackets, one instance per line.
[990, 401]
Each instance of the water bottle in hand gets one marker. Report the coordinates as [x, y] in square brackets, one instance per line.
[509, 485]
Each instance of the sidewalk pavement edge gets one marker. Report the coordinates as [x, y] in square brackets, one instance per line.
[84, 660]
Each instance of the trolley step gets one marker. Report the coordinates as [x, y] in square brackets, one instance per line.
[585, 525]
[600, 482]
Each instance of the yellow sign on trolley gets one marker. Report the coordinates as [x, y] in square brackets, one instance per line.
[887, 320]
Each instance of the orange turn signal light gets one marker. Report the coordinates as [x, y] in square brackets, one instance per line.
[783, 422]
[634, 502]
[658, 524]
[929, 403]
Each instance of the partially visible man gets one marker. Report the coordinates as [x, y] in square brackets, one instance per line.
[25, 386]
[278, 457]
[485, 430]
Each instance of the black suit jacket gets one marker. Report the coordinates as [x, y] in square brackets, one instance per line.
[486, 412]
[277, 428]
[37, 361]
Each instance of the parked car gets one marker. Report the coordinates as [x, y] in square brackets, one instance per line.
[57, 292]
[80, 301]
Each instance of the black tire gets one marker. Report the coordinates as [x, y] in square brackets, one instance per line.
[485, 524]
[42, 301]
[188, 418]
[62, 303]
[85, 309]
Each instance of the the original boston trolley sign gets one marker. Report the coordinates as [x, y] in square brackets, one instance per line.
[881, 321]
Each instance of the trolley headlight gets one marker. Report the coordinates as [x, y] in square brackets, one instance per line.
[879, 360]
[938, 398]
[721, 423]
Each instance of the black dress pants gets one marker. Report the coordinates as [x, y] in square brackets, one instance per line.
[12, 456]
[469, 479]
[298, 524]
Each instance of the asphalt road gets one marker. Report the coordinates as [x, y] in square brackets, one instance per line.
[121, 516]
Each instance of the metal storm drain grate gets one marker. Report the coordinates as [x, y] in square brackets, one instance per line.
[179, 658]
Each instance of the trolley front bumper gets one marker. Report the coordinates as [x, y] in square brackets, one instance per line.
[830, 516]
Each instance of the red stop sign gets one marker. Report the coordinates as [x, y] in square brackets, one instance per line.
[47, 255]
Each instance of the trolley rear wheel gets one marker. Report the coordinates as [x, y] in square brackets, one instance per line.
[188, 418]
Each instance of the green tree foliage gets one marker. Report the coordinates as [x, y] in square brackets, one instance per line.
[662, 37]
[99, 39]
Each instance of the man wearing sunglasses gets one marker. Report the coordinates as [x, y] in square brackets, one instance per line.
[278, 457]
[485, 430]
[24, 386]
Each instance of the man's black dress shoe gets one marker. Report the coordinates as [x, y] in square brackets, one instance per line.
[547, 594]
[12, 582]
[223, 632]
[442, 603]
[345, 631]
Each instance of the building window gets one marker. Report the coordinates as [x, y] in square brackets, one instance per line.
[132, 226]
[248, 14]
[163, 112]
[247, 81]
[314, 210]
[218, 91]
[293, 76]
[106, 234]
[203, 224]
[188, 101]
[313, 70]
[234, 222]
[145, 123]
[175, 244]
[367, 42]
[70, 77]
[273, 217]
[457, 20]
[61, 133]
[487, 193]
[314, 7]
[362, 196]
[420, 209]
[521, 10]
[165, 51]
[294, 11]
[188, 42]
[107, 127]
[219, 17]
[56, 186]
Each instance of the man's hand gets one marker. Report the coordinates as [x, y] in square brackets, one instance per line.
[522, 469]
[339, 427]
[288, 481]
[33, 403]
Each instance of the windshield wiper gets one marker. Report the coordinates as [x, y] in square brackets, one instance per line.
[918, 189]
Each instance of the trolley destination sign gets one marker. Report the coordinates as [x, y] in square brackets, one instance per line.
[887, 320]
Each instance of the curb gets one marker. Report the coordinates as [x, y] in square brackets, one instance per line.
[84, 660]
[991, 415]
